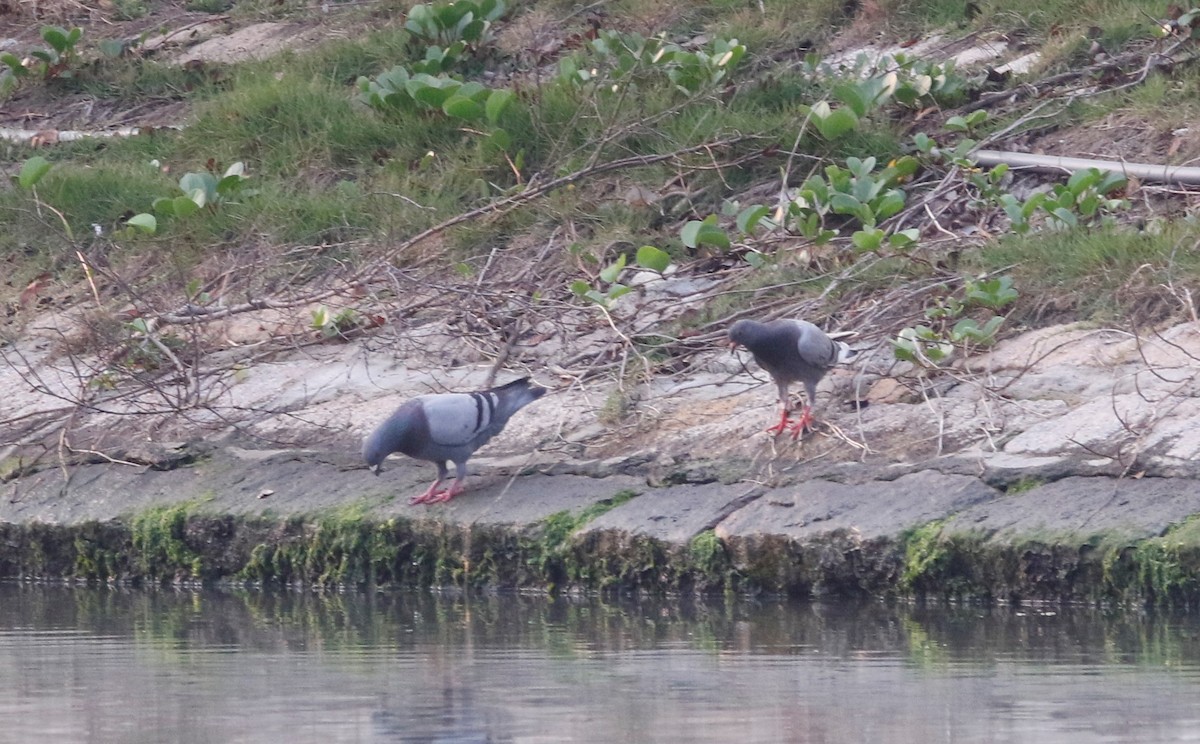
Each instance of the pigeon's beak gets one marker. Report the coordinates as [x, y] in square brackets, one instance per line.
[733, 347]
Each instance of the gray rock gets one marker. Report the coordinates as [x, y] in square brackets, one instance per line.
[874, 509]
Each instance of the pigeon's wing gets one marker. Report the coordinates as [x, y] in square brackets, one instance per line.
[815, 348]
[457, 419]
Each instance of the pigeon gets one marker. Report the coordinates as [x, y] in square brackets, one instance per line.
[790, 351]
[447, 426]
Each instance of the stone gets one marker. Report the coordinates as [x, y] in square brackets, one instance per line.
[676, 514]
[874, 509]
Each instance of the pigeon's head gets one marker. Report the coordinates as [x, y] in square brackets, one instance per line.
[742, 333]
[374, 452]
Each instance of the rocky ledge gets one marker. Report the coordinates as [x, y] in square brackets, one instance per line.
[1059, 466]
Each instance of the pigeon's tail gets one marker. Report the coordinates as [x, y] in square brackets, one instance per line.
[844, 352]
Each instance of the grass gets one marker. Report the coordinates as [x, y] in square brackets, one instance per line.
[1103, 274]
[1043, 19]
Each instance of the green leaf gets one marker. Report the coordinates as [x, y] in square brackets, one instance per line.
[904, 238]
[32, 171]
[891, 203]
[205, 183]
[853, 96]
[1111, 181]
[653, 258]
[500, 140]
[902, 167]
[112, 47]
[580, 288]
[473, 31]
[1066, 217]
[497, 102]
[868, 239]
[14, 63]
[749, 218]
[613, 270]
[957, 124]
[617, 290]
[838, 122]
[756, 259]
[55, 36]
[144, 222]
[704, 232]
[184, 206]
[462, 107]
[690, 233]
[845, 204]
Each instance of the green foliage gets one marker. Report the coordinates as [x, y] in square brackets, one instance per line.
[1082, 201]
[62, 53]
[653, 258]
[201, 191]
[336, 325]
[397, 90]
[704, 232]
[968, 123]
[32, 171]
[53, 62]
[858, 194]
[209, 6]
[929, 346]
[447, 23]
[995, 293]
[648, 257]
[867, 87]
[616, 58]
[693, 72]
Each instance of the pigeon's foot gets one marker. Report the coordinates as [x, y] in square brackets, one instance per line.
[436, 496]
[783, 424]
[802, 424]
[430, 497]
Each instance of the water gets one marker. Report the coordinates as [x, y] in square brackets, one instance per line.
[111, 665]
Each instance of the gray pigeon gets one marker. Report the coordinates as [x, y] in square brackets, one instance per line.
[790, 351]
[447, 426]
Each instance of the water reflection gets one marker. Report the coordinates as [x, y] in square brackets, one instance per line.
[103, 665]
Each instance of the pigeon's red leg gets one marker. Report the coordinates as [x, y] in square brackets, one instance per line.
[783, 422]
[455, 489]
[802, 423]
[431, 496]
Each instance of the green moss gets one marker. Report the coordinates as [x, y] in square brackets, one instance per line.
[160, 545]
[925, 555]
[1023, 484]
[343, 546]
[1159, 571]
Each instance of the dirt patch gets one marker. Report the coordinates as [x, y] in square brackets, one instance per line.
[1121, 136]
[258, 41]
